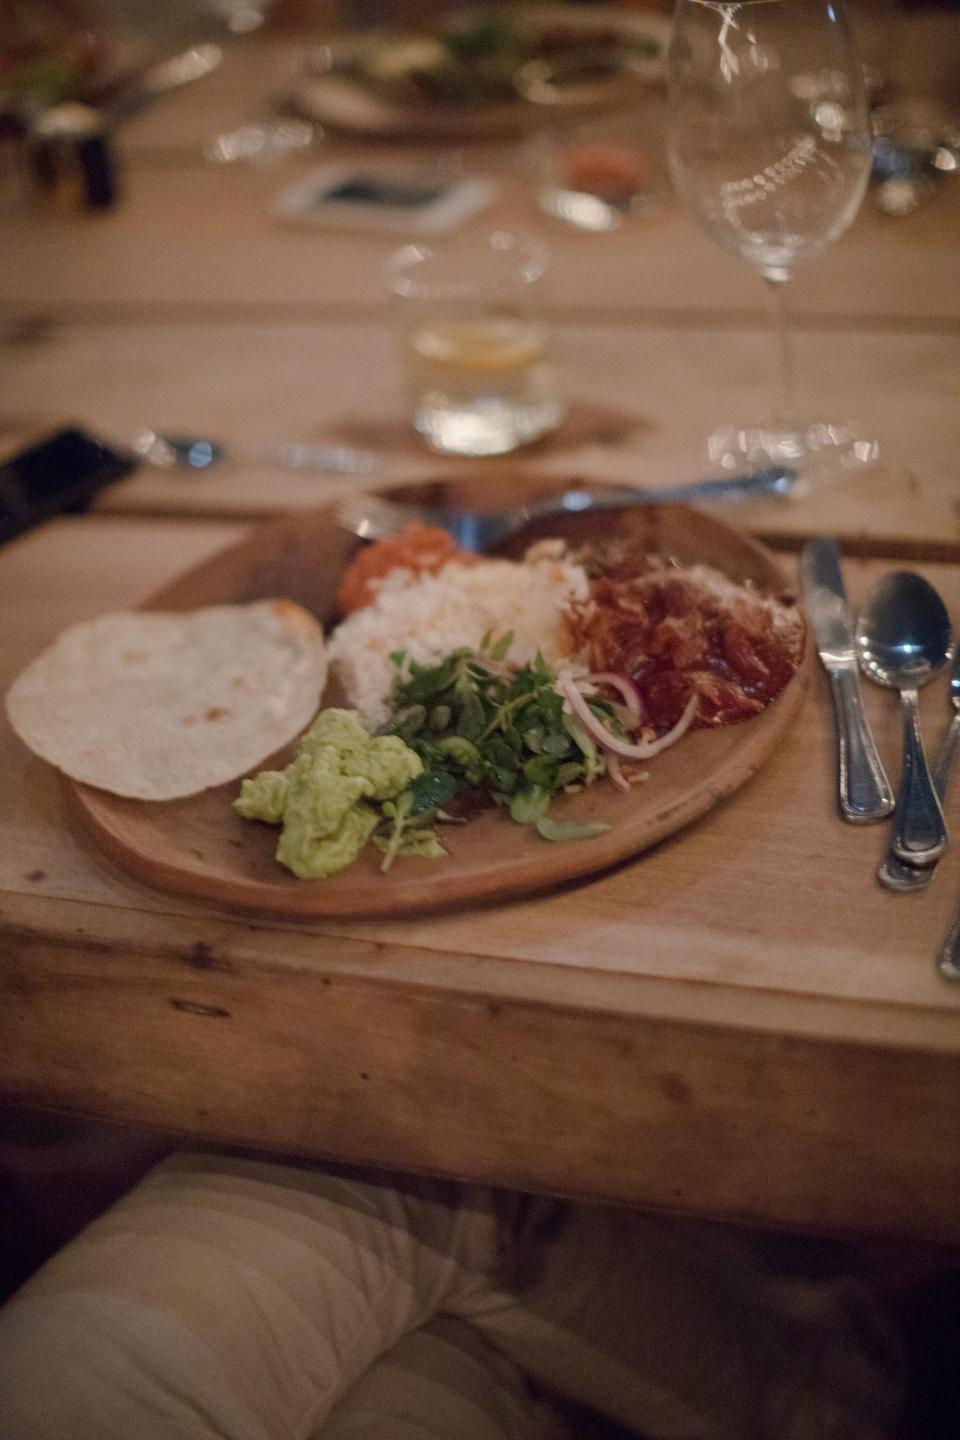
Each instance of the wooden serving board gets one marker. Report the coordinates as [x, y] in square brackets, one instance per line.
[200, 847]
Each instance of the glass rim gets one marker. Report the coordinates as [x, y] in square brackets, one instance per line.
[439, 270]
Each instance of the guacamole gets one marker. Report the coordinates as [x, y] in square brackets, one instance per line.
[326, 799]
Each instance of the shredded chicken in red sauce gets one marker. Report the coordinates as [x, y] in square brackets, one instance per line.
[674, 631]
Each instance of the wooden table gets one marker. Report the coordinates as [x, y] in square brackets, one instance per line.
[739, 1023]
[643, 397]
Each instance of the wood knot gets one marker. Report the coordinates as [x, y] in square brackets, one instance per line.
[202, 956]
[675, 1088]
[193, 1007]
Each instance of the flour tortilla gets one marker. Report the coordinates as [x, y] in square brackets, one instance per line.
[156, 706]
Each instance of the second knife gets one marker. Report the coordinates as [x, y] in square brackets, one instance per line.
[863, 790]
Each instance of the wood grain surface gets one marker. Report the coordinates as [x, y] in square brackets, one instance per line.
[643, 399]
[188, 308]
[193, 236]
[169, 250]
[740, 1022]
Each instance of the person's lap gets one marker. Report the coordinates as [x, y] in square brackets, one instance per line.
[243, 1299]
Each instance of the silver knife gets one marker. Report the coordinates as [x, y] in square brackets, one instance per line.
[863, 789]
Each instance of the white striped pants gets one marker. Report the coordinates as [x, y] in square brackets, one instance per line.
[246, 1300]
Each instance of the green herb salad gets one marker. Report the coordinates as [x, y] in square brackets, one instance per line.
[470, 729]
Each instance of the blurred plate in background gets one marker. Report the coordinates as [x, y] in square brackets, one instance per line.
[486, 75]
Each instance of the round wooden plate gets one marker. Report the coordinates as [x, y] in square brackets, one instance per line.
[199, 847]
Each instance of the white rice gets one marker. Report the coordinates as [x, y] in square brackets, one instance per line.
[435, 614]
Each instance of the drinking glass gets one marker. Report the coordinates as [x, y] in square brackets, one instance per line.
[769, 147]
[597, 175]
[475, 350]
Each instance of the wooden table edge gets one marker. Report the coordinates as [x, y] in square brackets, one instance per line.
[312, 1059]
[219, 946]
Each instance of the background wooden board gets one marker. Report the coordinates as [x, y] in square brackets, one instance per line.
[167, 248]
[643, 399]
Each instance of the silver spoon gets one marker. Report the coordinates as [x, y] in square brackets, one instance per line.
[903, 639]
[893, 872]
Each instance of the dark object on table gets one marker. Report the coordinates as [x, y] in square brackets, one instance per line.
[60, 474]
[71, 157]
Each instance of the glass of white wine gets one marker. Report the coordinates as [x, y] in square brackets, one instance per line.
[476, 353]
[769, 147]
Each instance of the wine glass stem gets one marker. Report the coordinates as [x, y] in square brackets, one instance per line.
[786, 366]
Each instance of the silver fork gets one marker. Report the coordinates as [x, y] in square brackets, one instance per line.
[374, 518]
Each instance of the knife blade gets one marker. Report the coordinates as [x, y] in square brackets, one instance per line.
[863, 791]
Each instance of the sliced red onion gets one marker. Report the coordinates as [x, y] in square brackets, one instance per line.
[642, 750]
[616, 775]
[623, 686]
[623, 717]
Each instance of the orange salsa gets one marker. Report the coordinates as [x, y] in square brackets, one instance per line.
[421, 549]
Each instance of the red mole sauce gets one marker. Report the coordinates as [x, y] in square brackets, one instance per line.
[673, 632]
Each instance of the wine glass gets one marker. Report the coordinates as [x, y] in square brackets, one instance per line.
[769, 146]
